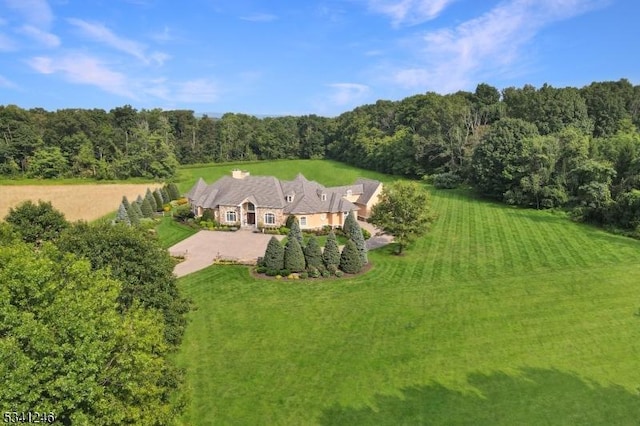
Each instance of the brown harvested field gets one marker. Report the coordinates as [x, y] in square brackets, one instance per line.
[86, 202]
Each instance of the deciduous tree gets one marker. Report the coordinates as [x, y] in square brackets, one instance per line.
[403, 210]
[37, 222]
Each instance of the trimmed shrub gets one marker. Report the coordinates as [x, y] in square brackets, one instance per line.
[314, 273]
[182, 201]
[125, 201]
[313, 253]
[261, 269]
[147, 209]
[284, 272]
[339, 273]
[366, 234]
[272, 272]
[303, 275]
[135, 206]
[350, 260]
[166, 199]
[122, 216]
[159, 201]
[274, 255]
[173, 191]
[447, 180]
[290, 219]
[294, 232]
[326, 274]
[353, 231]
[183, 213]
[331, 254]
[152, 201]
[293, 256]
[332, 269]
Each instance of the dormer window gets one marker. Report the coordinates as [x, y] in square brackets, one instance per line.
[323, 197]
[289, 198]
[349, 193]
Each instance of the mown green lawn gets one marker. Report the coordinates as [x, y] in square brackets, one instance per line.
[171, 232]
[500, 316]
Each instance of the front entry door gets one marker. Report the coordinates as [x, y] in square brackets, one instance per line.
[251, 218]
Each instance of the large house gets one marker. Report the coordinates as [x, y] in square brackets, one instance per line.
[264, 201]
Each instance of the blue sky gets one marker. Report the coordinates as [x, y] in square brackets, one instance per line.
[302, 57]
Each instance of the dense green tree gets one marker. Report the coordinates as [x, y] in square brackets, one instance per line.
[64, 348]
[313, 253]
[403, 210]
[331, 253]
[500, 160]
[353, 231]
[37, 223]
[48, 163]
[350, 259]
[139, 262]
[274, 255]
[293, 256]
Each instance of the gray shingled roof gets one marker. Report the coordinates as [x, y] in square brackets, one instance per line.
[267, 191]
[369, 187]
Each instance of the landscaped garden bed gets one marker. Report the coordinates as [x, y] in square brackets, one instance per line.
[300, 258]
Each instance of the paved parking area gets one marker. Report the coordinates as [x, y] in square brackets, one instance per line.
[201, 249]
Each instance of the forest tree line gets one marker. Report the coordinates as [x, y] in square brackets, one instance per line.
[540, 147]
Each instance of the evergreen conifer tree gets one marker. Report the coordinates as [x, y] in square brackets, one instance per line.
[174, 193]
[353, 231]
[159, 201]
[293, 256]
[294, 232]
[331, 254]
[122, 216]
[350, 260]
[147, 210]
[313, 253]
[165, 195]
[135, 206]
[152, 201]
[274, 255]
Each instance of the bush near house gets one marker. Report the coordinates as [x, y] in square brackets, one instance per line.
[350, 259]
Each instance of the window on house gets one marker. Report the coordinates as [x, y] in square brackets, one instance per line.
[324, 197]
[269, 219]
[303, 221]
[289, 198]
[349, 192]
[231, 217]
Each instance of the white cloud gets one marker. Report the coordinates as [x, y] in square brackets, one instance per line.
[201, 90]
[409, 12]
[260, 17]
[453, 58]
[197, 91]
[84, 69]
[43, 37]
[6, 83]
[347, 93]
[35, 12]
[102, 34]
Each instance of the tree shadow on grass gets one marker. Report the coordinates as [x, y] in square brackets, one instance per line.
[535, 397]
